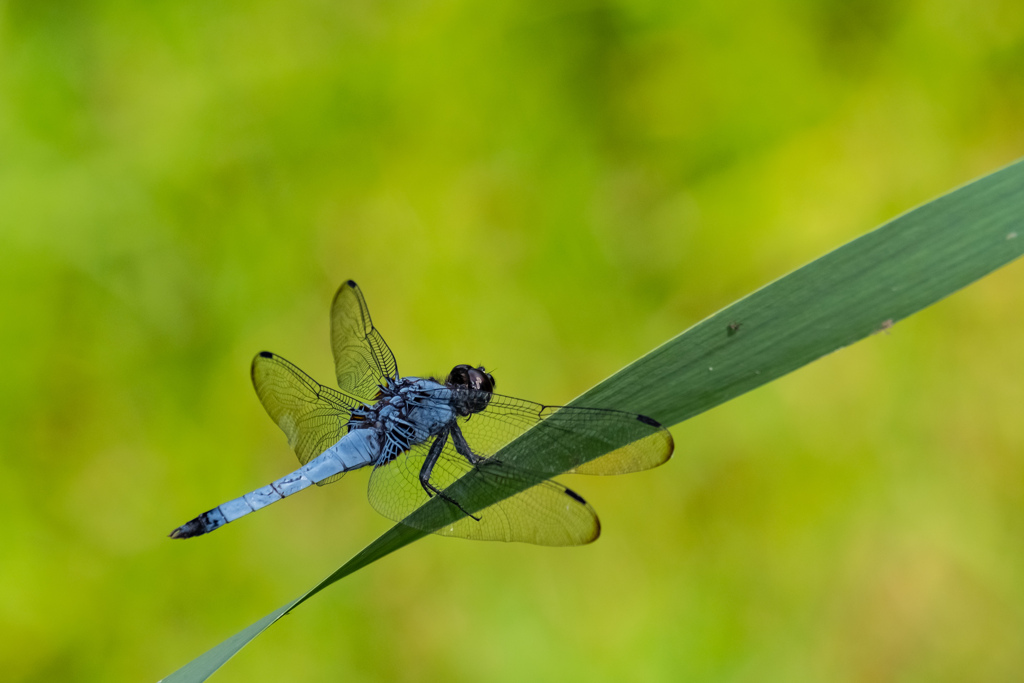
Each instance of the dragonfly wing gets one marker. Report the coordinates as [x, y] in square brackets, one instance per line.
[533, 509]
[362, 359]
[553, 440]
[312, 416]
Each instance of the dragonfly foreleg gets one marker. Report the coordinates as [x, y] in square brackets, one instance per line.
[428, 467]
[463, 448]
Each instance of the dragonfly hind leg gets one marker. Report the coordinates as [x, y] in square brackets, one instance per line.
[428, 467]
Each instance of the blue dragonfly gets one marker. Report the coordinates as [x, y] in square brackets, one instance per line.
[452, 441]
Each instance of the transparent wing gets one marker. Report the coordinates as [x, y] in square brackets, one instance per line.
[538, 511]
[312, 416]
[531, 442]
[362, 360]
[557, 439]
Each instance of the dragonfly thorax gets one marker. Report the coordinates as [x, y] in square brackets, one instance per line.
[408, 411]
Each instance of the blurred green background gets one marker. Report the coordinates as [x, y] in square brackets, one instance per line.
[551, 189]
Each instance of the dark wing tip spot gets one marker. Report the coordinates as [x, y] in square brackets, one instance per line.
[266, 354]
[648, 421]
[351, 283]
[578, 498]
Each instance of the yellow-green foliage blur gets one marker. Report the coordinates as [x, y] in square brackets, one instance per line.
[550, 189]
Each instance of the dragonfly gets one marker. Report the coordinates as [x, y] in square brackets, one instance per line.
[441, 451]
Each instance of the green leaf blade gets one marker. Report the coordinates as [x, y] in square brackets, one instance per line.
[859, 289]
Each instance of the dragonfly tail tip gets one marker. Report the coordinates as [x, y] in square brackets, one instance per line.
[188, 530]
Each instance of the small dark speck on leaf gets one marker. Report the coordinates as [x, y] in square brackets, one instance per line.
[733, 328]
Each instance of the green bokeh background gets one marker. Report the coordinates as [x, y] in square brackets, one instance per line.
[550, 189]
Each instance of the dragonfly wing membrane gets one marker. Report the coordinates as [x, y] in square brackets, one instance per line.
[563, 439]
[532, 510]
[648, 445]
[362, 359]
[312, 416]
[544, 514]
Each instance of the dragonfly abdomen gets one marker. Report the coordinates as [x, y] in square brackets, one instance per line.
[356, 449]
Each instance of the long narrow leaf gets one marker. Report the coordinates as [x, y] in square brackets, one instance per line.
[863, 287]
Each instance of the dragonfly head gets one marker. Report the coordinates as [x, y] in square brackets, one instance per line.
[467, 377]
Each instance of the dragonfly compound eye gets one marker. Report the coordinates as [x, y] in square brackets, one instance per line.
[471, 378]
[482, 380]
[459, 376]
[476, 386]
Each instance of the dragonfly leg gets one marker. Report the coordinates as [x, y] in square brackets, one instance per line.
[428, 463]
[463, 448]
[428, 467]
